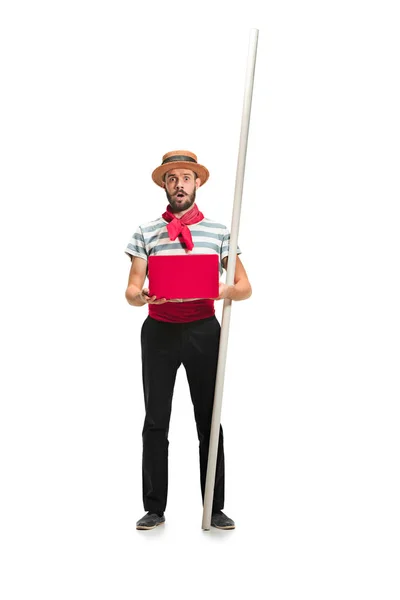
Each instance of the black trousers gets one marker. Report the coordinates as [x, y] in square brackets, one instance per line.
[165, 346]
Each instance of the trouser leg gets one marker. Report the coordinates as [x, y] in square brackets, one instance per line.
[160, 362]
[200, 357]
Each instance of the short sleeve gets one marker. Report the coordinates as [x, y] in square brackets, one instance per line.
[225, 245]
[136, 246]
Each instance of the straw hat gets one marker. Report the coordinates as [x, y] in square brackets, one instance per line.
[179, 159]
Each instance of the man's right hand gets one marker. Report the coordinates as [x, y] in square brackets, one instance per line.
[147, 299]
[135, 293]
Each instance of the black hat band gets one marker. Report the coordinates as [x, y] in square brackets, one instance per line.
[178, 157]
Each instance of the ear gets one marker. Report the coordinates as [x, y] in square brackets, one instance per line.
[198, 182]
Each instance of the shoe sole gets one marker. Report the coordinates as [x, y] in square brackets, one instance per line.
[142, 527]
[228, 527]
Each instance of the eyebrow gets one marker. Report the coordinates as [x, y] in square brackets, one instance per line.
[174, 174]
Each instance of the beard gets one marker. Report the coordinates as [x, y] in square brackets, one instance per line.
[180, 207]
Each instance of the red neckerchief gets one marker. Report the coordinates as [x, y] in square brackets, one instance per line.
[180, 227]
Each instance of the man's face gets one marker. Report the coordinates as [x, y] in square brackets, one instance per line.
[180, 186]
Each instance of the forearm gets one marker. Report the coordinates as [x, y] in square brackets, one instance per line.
[133, 296]
[240, 291]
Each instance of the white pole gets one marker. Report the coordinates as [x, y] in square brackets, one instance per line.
[226, 312]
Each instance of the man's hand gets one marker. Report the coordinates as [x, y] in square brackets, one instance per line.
[144, 296]
[241, 288]
[224, 291]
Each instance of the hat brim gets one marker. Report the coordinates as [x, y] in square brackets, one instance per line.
[201, 172]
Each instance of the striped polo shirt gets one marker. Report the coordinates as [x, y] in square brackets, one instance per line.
[152, 238]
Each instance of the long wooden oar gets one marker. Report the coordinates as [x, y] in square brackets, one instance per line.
[226, 312]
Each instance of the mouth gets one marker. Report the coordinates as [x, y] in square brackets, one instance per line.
[180, 195]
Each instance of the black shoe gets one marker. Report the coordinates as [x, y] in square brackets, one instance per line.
[150, 521]
[221, 521]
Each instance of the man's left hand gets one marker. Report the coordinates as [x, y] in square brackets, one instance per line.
[223, 291]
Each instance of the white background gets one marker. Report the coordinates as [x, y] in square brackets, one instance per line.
[93, 94]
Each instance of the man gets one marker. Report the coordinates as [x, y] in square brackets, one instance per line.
[179, 333]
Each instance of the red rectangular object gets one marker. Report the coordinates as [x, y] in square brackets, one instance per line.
[185, 276]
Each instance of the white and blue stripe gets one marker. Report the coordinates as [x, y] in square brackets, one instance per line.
[209, 237]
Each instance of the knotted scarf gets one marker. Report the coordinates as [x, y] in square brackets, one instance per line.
[180, 227]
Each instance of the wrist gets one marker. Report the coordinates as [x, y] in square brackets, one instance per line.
[134, 296]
